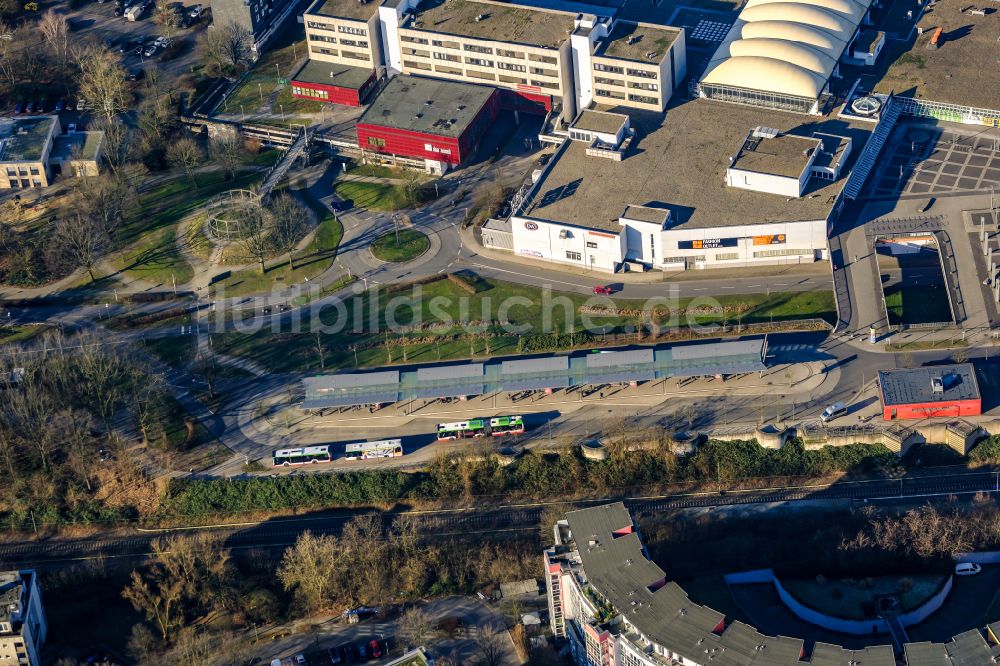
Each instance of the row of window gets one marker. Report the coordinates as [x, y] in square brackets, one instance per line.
[613, 69]
[346, 29]
[637, 85]
[310, 92]
[22, 171]
[24, 182]
[483, 76]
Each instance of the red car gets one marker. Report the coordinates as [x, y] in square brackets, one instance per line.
[376, 648]
[603, 290]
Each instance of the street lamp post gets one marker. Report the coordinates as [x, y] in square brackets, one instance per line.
[260, 91]
[282, 107]
[243, 113]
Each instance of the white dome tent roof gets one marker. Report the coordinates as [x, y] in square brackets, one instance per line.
[785, 47]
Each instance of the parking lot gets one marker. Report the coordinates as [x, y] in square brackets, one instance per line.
[97, 22]
[924, 159]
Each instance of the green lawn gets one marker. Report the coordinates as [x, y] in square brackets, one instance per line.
[431, 305]
[313, 261]
[151, 251]
[846, 597]
[917, 305]
[277, 61]
[395, 248]
[375, 196]
[12, 334]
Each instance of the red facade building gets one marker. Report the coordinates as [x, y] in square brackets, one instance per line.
[938, 391]
[333, 83]
[438, 121]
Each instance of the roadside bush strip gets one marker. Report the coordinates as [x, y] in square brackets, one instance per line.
[462, 284]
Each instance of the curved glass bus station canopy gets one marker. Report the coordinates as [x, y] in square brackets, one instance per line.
[454, 380]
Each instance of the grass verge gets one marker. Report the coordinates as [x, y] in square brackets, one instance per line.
[441, 320]
[396, 248]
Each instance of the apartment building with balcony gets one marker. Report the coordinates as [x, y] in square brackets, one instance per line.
[23, 626]
[543, 58]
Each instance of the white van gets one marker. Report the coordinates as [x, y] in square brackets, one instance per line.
[833, 411]
[967, 569]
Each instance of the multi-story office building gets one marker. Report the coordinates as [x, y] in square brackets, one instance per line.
[22, 619]
[542, 57]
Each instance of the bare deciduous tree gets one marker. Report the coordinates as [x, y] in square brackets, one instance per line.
[167, 19]
[415, 626]
[82, 240]
[309, 570]
[54, 29]
[229, 152]
[185, 153]
[288, 223]
[255, 233]
[102, 82]
[228, 46]
[490, 644]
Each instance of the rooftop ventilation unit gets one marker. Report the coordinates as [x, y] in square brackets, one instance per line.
[765, 132]
[937, 384]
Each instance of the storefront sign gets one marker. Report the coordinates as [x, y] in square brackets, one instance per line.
[533, 253]
[531, 226]
[707, 243]
[602, 235]
[770, 239]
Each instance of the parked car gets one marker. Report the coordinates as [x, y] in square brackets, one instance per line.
[544, 159]
[41, 106]
[136, 74]
[967, 569]
[162, 42]
[361, 652]
[30, 108]
[81, 104]
[149, 51]
[603, 290]
[19, 107]
[300, 659]
[194, 12]
[120, 11]
[833, 411]
[375, 648]
[60, 105]
[127, 45]
[335, 656]
[69, 105]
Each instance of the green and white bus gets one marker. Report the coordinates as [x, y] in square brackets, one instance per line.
[303, 456]
[506, 425]
[462, 430]
[497, 426]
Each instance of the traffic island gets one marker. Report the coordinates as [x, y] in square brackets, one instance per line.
[400, 247]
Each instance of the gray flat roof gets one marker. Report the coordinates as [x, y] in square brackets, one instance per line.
[926, 654]
[532, 365]
[600, 121]
[646, 214]
[499, 22]
[912, 386]
[679, 162]
[825, 654]
[450, 372]
[784, 155]
[970, 647]
[633, 41]
[330, 73]
[616, 359]
[431, 106]
[349, 9]
[24, 139]
[77, 146]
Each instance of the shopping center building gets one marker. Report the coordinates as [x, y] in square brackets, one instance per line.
[709, 185]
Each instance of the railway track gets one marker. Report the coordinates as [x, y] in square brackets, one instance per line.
[501, 520]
